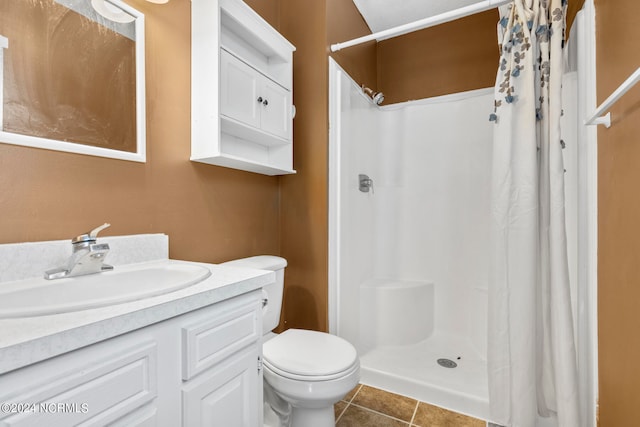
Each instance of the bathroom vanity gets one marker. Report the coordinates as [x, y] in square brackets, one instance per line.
[189, 357]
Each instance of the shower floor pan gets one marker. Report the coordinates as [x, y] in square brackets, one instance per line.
[412, 370]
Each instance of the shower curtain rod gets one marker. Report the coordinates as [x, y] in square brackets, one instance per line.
[597, 118]
[423, 23]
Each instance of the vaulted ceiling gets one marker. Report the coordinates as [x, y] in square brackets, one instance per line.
[383, 14]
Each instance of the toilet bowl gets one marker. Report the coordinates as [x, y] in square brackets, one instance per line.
[310, 371]
[305, 372]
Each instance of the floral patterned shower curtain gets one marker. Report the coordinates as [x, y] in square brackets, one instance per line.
[531, 357]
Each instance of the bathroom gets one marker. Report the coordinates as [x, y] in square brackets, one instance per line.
[213, 214]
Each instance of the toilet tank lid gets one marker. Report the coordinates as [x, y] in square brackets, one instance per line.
[260, 262]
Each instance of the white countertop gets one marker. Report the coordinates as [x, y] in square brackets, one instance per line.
[24, 341]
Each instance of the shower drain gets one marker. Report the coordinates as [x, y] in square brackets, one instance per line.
[447, 363]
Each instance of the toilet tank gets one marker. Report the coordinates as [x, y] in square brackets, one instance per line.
[273, 292]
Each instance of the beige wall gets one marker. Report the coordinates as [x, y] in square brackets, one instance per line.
[268, 9]
[454, 57]
[210, 213]
[617, 36]
[303, 219]
[344, 22]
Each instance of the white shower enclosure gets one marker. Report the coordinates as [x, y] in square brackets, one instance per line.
[409, 258]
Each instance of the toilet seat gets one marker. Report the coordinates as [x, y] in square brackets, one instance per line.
[309, 355]
[311, 378]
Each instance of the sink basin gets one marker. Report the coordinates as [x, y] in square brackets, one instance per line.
[38, 297]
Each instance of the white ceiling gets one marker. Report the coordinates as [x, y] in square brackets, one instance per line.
[383, 14]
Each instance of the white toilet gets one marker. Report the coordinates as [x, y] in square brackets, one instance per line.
[305, 372]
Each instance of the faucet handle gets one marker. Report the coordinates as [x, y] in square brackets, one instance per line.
[91, 235]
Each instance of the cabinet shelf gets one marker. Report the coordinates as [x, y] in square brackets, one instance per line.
[236, 162]
[233, 127]
[270, 55]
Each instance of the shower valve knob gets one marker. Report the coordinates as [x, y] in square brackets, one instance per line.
[260, 99]
[265, 103]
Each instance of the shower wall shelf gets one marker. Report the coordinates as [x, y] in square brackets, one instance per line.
[597, 118]
[241, 89]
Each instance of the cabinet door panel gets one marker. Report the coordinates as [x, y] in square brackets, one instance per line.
[209, 340]
[92, 394]
[275, 115]
[239, 90]
[226, 395]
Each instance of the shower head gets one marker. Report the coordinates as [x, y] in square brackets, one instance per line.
[376, 97]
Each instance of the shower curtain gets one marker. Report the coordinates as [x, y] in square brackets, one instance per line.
[531, 353]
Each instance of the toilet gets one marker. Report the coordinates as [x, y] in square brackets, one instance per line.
[305, 372]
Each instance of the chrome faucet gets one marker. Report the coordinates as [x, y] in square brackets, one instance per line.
[87, 257]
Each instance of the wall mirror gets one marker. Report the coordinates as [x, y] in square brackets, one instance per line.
[72, 77]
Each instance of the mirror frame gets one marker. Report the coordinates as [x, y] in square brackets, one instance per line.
[140, 155]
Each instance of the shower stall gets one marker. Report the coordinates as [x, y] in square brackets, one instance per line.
[409, 246]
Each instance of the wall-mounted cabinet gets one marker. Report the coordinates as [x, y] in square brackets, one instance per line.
[241, 89]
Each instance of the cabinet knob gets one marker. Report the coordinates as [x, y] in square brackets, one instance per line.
[265, 102]
[259, 99]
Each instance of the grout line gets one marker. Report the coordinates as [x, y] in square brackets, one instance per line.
[415, 411]
[342, 413]
[356, 393]
[348, 403]
[379, 413]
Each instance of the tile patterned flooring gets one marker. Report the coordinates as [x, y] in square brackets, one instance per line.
[366, 406]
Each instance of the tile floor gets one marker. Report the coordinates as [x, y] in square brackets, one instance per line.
[366, 406]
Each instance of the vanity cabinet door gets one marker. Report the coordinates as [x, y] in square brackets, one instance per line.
[274, 116]
[249, 97]
[95, 386]
[239, 98]
[221, 350]
[227, 395]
